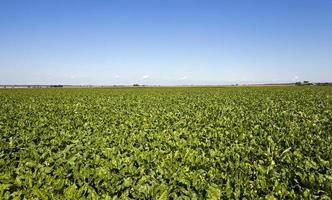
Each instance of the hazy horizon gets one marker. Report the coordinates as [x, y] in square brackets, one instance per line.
[165, 42]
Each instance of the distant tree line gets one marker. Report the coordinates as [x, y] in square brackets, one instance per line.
[138, 85]
[304, 83]
[324, 84]
[56, 86]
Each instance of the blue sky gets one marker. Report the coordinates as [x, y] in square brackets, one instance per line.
[165, 42]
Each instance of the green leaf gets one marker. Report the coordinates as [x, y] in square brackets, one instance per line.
[213, 192]
[163, 196]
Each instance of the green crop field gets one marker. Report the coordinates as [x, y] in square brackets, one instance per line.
[166, 143]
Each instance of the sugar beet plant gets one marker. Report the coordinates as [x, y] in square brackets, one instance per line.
[166, 143]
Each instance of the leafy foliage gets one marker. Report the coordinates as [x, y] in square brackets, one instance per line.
[166, 143]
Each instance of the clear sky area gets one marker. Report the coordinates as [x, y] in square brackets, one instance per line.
[169, 42]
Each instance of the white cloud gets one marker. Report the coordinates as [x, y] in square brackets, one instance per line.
[116, 76]
[145, 76]
[183, 78]
[295, 78]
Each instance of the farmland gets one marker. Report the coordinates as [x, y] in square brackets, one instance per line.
[166, 143]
